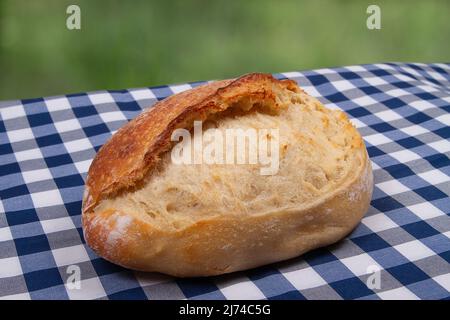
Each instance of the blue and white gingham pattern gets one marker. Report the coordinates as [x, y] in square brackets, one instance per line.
[403, 112]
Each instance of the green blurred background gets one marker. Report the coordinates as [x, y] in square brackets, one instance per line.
[124, 44]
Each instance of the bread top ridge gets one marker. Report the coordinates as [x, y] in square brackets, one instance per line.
[135, 149]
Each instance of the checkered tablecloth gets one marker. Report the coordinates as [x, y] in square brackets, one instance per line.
[403, 113]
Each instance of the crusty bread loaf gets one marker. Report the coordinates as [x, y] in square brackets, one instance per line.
[142, 211]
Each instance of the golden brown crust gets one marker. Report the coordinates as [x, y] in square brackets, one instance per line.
[134, 150]
[219, 243]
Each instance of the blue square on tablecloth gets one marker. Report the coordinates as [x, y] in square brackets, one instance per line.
[32, 244]
[399, 171]
[374, 151]
[318, 256]
[430, 193]
[386, 204]
[69, 181]
[290, 295]
[438, 160]
[21, 217]
[317, 79]
[96, 130]
[358, 112]
[192, 287]
[130, 294]
[420, 229]
[370, 242]
[352, 288]
[5, 148]
[409, 143]
[85, 111]
[349, 75]
[443, 132]
[380, 72]
[103, 267]
[49, 140]
[39, 119]
[370, 90]
[14, 191]
[60, 160]
[382, 127]
[445, 256]
[42, 279]
[407, 273]
[129, 106]
[9, 168]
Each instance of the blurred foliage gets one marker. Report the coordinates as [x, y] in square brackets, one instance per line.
[124, 44]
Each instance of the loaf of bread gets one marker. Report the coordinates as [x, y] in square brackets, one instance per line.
[143, 211]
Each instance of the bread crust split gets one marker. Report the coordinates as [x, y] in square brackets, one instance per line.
[217, 243]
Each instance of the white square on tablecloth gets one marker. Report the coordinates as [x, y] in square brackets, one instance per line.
[56, 104]
[425, 210]
[388, 115]
[434, 176]
[12, 112]
[67, 125]
[360, 264]
[375, 81]
[241, 288]
[397, 93]
[445, 119]
[311, 90]
[142, 94]
[70, 255]
[293, 74]
[28, 154]
[5, 234]
[180, 88]
[36, 175]
[401, 293]
[102, 97]
[379, 222]
[421, 105]
[58, 224]
[441, 146]
[343, 85]
[46, 198]
[78, 145]
[20, 135]
[304, 278]
[357, 123]
[112, 116]
[443, 280]
[414, 130]
[392, 187]
[83, 166]
[10, 267]
[18, 296]
[405, 155]
[364, 101]
[414, 250]
[377, 139]
[356, 68]
[89, 289]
